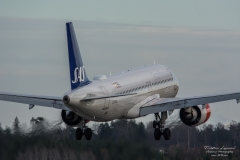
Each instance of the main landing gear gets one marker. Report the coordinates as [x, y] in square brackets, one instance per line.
[158, 124]
[84, 131]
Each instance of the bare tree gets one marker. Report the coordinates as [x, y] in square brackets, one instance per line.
[16, 127]
[87, 155]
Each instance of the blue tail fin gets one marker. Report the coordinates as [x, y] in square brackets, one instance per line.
[78, 75]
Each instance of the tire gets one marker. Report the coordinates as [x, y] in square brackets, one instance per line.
[79, 133]
[88, 134]
[154, 124]
[167, 133]
[157, 134]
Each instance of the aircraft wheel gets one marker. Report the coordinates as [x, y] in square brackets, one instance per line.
[157, 134]
[79, 133]
[167, 134]
[88, 134]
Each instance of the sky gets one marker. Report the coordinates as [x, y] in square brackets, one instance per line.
[198, 40]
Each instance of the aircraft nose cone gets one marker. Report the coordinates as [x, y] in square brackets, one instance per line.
[66, 99]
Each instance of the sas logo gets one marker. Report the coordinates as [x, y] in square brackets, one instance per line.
[79, 74]
[116, 85]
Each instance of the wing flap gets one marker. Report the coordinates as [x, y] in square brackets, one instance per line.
[168, 104]
[55, 102]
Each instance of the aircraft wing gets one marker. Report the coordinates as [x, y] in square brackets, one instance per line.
[55, 102]
[168, 104]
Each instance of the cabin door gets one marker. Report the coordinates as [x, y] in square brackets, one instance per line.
[149, 86]
[107, 100]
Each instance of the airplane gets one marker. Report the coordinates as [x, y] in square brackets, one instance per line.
[134, 93]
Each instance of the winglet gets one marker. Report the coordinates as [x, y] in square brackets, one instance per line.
[78, 76]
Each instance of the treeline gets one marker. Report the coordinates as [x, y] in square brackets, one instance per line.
[117, 140]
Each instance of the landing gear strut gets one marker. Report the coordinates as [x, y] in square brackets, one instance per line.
[84, 131]
[158, 124]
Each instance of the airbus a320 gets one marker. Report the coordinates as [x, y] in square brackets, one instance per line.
[150, 89]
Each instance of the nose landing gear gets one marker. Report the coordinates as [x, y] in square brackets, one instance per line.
[84, 131]
[158, 124]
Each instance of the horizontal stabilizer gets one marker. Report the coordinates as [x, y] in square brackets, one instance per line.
[107, 96]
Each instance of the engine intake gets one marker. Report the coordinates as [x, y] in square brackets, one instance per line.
[194, 116]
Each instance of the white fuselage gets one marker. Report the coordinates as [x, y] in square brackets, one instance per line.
[148, 82]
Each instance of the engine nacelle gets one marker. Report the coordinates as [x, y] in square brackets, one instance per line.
[71, 118]
[194, 116]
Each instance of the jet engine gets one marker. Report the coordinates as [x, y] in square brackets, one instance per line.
[194, 116]
[71, 118]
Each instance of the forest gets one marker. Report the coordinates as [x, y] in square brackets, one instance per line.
[118, 140]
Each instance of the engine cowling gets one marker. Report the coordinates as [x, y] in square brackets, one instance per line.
[194, 116]
[71, 118]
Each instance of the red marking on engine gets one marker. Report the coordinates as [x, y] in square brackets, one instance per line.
[208, 110]
[86, 121]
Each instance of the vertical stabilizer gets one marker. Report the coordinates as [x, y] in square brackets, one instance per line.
[78, 76]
